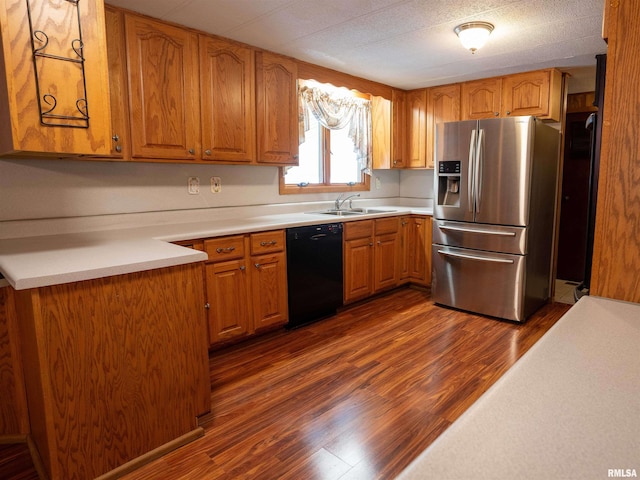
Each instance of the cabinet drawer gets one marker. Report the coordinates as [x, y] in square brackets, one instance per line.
[267, 242]
[386, 225]
[224, 248]
[360, 229]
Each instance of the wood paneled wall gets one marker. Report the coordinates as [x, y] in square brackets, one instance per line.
[14, 422]
[114, 367]
[616, 257]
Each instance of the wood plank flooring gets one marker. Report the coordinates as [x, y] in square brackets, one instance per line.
[356, 396]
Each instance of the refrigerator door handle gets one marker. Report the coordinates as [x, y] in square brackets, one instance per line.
[473, 230]
[474, 257]
[478, 170]
[470, 184]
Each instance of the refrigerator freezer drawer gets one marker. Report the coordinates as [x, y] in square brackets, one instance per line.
[492, 238]
[480, 282]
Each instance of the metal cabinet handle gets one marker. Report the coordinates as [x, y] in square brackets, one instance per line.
[473, 230]
[474, 257]
[192, 151]
[257, 265]
[116, 138]
[242, 267]
[508, 112]
[207, 152]
[496, 114]
[225, 250]
[371, 244]
[118, 148]
[379, 242]
[266, 244]
[207, 306]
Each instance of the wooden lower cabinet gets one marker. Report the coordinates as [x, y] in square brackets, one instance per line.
[228, 292]
[371, 254]
[246, 285]
[114, 368]
[415, 250]
[419, 251]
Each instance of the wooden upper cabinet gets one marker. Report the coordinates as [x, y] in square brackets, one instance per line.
[443, 105]
[398, 128]
[381, 127]
[481, 98]
[276, 109]
[532, 93]
[417, 129]
[120, 133]
[35, 100]
[164, 95]
[227, 73]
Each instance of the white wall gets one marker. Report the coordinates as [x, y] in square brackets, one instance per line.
[416, 183]
[34, 189]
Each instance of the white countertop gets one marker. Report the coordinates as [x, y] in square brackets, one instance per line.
[42, 260]
[569, 408]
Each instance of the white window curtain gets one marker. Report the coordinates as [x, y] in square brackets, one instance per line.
[335, 110]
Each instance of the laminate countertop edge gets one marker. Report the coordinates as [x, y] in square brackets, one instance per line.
[44, 260]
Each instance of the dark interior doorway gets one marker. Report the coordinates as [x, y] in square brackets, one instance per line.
[572, 242]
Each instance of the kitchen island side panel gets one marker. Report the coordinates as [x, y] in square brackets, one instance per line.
[117, 367]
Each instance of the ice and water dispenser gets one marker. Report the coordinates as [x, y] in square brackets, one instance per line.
[449, 183]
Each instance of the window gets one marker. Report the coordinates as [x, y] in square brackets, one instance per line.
[328, 158]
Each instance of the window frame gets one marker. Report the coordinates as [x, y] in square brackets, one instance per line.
[291, 189]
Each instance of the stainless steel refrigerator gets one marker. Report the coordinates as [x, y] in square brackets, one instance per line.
[495, 186]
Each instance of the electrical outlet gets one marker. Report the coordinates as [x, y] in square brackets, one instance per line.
[216, 184]
[377, 183]
[193, 185]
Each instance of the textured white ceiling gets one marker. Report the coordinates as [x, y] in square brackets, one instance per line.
[403, 43]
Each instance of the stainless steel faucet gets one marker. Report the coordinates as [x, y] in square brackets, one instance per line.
[340, 201]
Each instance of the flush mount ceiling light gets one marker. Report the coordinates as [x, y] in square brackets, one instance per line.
[473, 35]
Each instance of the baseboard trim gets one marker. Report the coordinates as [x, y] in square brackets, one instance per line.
[152, 455]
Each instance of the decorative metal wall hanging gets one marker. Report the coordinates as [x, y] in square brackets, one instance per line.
[47, 102]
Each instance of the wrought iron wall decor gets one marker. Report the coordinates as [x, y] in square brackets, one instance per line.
[47, 102]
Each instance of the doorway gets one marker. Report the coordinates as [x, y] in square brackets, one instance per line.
[572, 237]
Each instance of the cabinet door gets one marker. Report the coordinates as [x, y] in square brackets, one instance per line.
[269, 290]
[120, 133]
[532, 93]
[418, 263]
[277, 109]
[404, 247]
[227, 73]
[443, 105]
[358, 274]
[398, 128]
[164, 83]
[421, 251]
[36, 113]
[481, 99]
[228, 299]
[381, 128]
[386, 272]
[417, 128]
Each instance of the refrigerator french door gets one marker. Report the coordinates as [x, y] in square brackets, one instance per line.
[494, 204]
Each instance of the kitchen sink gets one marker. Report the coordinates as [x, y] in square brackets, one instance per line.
[352, 211]
[338, 213]
[369, 210]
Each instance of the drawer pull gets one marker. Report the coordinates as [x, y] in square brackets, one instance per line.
[266, 244]
[242, 267]
[257, 265]
[473, 230]
[225, 250]
[475, 257]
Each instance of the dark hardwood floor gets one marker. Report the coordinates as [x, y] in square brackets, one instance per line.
[356, 396]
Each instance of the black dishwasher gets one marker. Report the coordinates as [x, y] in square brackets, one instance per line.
[314, 272]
